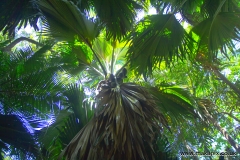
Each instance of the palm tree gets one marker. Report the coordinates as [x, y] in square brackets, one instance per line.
[118, 101]
[129, 117]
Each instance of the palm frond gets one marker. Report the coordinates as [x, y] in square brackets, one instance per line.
[184, 117]
[15, 14]
[117, 16]
[218, 33]
[169, 6]
[14, 133]
[210, 8]
[30, 60]
[67, 124]
[55, 137]
[28, 81]
[75, 95]
[123, 126]
[64, 20]
[110, 53]
[189, 9]
[49, 136]
[177, 103]
[159, 38]
[83, 54]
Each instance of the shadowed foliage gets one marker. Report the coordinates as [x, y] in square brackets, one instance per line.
[13, 132]
[15, 14]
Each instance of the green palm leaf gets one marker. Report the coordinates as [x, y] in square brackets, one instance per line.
[210, 8]
[158, 38]
[117, 16]
[177, 103]
[47, 136]
[123, 127]
[68, 122]
[110, 53]
[75, 99]
[64, 20]
[218, 32]
[28, 81]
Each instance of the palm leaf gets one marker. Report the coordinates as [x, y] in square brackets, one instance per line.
[184, 117]
[15, 14]
[24, 85]
[159, 38]
[83, 54]
[68, 123]
[76, 97]
[168, 6]
[218, 32]
[122, 127]
[54, 138]
[14, 132]
[117, 16]
[177, 103]
[64, 21]
[48, 136]
[111, 53]
[210, 8]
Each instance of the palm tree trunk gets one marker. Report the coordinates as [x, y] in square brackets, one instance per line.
[232, 116]
[225, 134]
[225, 80]
[213, 68]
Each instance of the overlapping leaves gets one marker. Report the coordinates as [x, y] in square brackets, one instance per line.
[15, 14]
[176, 102]
[111, 54]
[64, 21]
[13, 132]
[117, 16]
[67, 124]
[159, 38]
[184, 118]
[218, 33]
[23, 84]
[29, 90]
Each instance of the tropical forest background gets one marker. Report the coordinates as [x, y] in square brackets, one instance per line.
[119, 79]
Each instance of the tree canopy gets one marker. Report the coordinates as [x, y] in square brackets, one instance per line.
[93, 80]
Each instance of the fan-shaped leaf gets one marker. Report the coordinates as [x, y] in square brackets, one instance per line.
[64, 20]
[159, 38]
[175, 102]
[218, 32]
[117, 16]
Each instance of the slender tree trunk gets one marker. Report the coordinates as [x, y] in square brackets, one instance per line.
[232, 116]
[225, 80]
[213, 68]
[225, 134]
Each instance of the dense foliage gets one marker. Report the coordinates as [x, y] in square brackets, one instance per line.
[93, 80]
